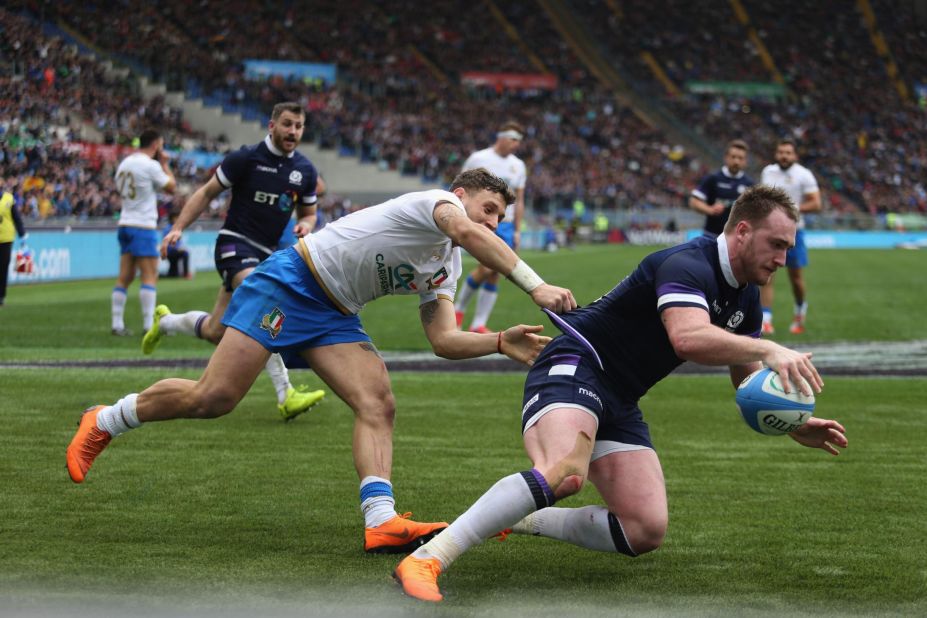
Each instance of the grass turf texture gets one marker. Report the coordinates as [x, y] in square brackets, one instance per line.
[853, 295]
[248, 512]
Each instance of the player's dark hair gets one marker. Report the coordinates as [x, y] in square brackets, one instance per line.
[148, 137]
[512, 125]
[756, 203]
[287, 106]
[738, 144]
[787, 141]
[474, 181]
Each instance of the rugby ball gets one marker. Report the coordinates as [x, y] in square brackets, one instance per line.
[767, 408]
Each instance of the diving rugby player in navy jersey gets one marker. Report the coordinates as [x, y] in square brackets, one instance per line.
[698, 302]
[268, 181]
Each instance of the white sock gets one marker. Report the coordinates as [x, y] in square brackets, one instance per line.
[278, 375]
[464, 294]
[377, 502]
[588, 526]
[767, 316]
[485, 301]
[183, 323]
[148, 296]
[118, 308]
[506, 502]
[801, 310]
[119, 417]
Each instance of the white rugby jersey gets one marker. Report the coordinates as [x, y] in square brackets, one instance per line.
[391, 248]
[797, 181]
[511, 169]
[138, 179]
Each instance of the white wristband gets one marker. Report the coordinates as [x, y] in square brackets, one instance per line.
[524, 277]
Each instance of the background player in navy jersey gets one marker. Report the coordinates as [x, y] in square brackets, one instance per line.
[698, 301]
[268, 181]
[717, 192]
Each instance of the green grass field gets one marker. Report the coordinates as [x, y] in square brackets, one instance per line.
[245, 515]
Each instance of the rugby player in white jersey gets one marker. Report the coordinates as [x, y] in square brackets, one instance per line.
[499, 159]
[800, 185]
[139, 178]
[305, 299]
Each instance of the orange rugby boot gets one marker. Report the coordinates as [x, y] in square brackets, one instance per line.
[419, 578]
[88, 442]
[459, 315]
[400, 535]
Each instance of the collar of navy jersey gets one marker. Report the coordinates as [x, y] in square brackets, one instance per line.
[728, 173]
[725, 261]
[273, 149]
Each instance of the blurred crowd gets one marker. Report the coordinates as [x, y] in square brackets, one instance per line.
[867, 145]
[400, 103]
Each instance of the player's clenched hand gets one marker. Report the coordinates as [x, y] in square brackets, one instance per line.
[558, 300]
[821, 433]
[522, 343]
[170, 239]
[301, 229]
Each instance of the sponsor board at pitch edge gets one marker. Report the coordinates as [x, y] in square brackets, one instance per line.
[63, 256]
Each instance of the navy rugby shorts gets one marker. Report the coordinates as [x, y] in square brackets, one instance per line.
[233, 255]
[566, 374]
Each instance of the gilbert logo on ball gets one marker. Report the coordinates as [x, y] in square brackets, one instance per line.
[767, 408]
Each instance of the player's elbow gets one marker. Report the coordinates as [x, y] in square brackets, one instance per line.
[444, 348]
[684, 344]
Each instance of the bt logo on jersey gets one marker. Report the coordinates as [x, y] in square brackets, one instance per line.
[284, 201]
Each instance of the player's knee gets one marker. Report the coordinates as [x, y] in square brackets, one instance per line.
[569, 486]
[213, 402]
[647, 535]
[566, 476]
[377, 408]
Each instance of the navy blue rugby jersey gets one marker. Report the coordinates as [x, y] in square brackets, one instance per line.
[266, 186]
[721, 186]
[624, 326]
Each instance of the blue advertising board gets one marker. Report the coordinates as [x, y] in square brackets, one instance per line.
[64, 256]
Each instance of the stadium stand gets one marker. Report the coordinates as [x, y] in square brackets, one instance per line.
[402, 101]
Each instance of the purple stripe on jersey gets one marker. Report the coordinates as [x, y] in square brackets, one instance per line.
[755, 334]
[226, 248]
[565, 359]
[677, 288]
[572, 332]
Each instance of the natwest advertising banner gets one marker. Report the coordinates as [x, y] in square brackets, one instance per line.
[510, 81]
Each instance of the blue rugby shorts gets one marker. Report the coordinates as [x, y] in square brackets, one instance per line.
[797, 257]
[139, 242]
[283, 307]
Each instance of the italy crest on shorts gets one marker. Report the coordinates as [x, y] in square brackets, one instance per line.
[272, 322]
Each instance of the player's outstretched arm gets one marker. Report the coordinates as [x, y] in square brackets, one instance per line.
[821, 433]
[492, 252]
[521, 343]
[195, 206]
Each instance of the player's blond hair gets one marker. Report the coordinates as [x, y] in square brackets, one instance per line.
[475, 180]
[757, 203]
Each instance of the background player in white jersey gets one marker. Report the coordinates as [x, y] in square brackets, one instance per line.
[269, 181]
[139, 178]
[800, 185]
[499, 159]
[305, 299]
